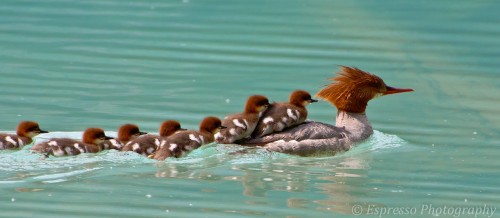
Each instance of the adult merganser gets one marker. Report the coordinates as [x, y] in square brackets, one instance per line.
[350, 92]
[91, 143]
[184, 142]
[280, 116]
[126, 132]
[241, 125]
[26, 130]
[148, 144]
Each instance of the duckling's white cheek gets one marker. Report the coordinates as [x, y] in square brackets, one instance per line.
[32, 134]
[98, 141]
[52, 143]
[10, 140]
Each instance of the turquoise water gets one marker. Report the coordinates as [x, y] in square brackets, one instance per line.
[75, 64]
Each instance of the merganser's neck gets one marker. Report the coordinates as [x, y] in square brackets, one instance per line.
[356, 125]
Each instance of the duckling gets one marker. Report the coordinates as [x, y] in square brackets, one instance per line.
[241, 125]
[91, 141]
[26, 130]
[284, 114]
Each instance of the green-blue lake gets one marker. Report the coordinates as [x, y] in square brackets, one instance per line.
[70, 65]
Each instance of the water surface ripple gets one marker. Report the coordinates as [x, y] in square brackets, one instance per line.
[75, 64]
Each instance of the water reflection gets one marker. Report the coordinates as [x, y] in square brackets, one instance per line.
[334, 181]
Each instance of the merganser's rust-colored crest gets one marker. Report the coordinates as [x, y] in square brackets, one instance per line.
[352, 88]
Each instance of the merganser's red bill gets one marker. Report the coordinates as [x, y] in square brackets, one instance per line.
[392, 90]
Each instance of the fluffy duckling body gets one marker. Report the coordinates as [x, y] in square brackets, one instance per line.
[91, 143]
